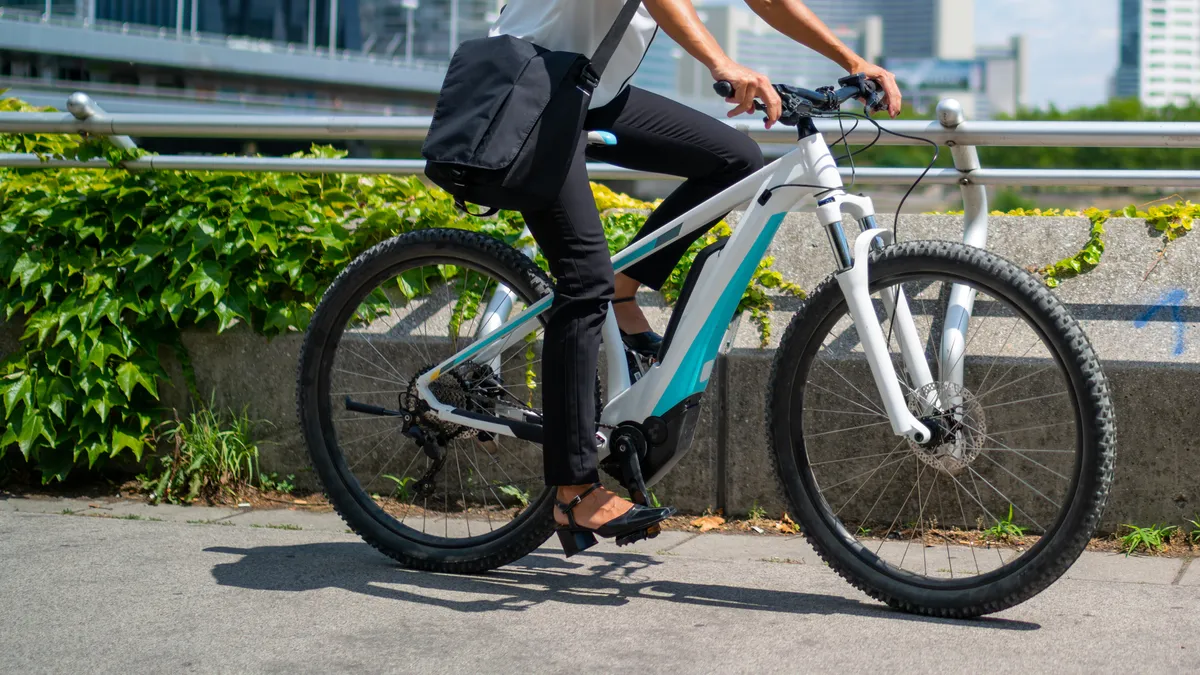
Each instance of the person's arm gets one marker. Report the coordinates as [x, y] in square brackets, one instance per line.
[795, 20]
[679, 20]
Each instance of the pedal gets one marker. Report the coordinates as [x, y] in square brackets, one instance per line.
[575, 542]
[638, 536]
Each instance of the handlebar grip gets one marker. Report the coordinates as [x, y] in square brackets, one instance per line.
[724, 89]
[875, 96]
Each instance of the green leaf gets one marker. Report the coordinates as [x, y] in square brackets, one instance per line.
[9, 437]
[100, 405]
[267, 240]
[290, 266]
[130, 374]
[208, 278]
[1130, 211]
[127, 377]
[338, 198]
[31, 430]
[109, 343]
[278, 319]
[147, 248]
[27, 269]
[18, 387]
[122, 440]
[94, 452]
[172, 301]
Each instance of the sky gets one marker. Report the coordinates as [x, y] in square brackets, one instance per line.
[1072, 45]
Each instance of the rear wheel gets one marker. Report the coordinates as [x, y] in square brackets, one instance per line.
[1005, 497]
[467, 502]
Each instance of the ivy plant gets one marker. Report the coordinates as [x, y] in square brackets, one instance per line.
[106, 268]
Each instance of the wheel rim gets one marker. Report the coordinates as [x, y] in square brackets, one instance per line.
[395, 326]
[955, 534]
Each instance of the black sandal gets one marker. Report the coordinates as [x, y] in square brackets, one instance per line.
[627, 528]
[647, 344]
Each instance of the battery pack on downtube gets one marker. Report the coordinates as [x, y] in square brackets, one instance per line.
[689, 285]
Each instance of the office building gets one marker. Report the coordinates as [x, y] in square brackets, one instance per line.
[1159, 51]
[929, 44]
[219, 55]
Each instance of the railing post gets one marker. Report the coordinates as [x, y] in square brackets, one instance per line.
[975, 227]
[84, 108]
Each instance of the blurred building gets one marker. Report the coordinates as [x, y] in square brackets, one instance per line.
[749, 40]
[930, 44]
[1159, 51]
[221, 55]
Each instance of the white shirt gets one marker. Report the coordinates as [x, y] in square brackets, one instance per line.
[579, 26]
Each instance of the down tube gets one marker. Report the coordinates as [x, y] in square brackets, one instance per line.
[691, 373]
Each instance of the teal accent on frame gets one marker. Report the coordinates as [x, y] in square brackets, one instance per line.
[537, 308]
[687, 379]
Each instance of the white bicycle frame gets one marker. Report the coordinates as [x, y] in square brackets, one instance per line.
[685, 368]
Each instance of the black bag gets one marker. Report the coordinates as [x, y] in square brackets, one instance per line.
[509, 116]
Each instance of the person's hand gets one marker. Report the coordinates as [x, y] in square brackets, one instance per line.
[747, 86]
[886, 80]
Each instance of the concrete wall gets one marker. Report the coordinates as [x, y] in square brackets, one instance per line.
[1153, 365]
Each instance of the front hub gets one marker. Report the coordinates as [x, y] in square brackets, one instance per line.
[957, 426]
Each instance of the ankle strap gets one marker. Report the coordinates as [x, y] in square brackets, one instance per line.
[617, 301]
[569, 507]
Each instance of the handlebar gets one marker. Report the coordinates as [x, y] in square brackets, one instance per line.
[799, 102]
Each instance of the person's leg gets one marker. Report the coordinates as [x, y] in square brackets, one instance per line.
[572, 239]
[657, 134]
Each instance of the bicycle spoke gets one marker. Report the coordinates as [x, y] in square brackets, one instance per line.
[811, 384]
[855, 458]
[839, 431]
[966, 524]
[882, 492]
[877, 408]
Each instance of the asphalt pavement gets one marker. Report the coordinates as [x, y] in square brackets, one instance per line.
[87, 594]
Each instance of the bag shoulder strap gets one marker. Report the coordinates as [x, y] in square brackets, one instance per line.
[613, 37]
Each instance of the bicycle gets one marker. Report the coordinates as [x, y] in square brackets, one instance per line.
[875, 394]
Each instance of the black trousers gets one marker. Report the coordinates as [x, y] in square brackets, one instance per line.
[653, 134]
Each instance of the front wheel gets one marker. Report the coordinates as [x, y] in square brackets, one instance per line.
[1011, 488]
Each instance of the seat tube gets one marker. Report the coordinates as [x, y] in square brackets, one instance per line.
[500, 305]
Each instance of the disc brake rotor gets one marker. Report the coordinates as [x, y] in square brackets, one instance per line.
[958, 426]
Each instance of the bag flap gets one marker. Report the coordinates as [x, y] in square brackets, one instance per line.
[495, 91]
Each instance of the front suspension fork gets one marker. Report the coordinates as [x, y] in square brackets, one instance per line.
[854, 281]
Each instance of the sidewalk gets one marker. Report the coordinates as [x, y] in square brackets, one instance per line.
[162, 594]
[1092, 566]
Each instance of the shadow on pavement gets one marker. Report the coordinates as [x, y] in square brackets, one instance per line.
[605, 579]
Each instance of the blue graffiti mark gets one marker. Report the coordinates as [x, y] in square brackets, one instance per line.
[1172, 301]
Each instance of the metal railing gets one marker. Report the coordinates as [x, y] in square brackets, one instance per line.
[950, 130]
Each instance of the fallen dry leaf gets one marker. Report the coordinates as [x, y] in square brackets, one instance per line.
[706, 523]
[786, 524]
[301, 502]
